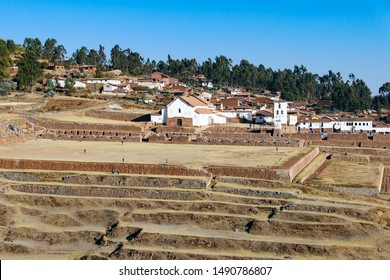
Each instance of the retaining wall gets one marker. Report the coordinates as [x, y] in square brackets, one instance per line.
[101, 167]
[352, 190]
[362, 151]
[301, 163]
[91, 138]
[385, 187]
[160, 169]
[353, 158]
[250, 172]
[59, 125]
[304, 136]
[118, 116]
[347, 137]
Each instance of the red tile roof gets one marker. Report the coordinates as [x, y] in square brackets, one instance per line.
[265, 113]
[204, 111]
[194, 101]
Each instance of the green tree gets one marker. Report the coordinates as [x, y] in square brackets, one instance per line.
[80, 56]
[6, 87]
[5, 60]
[48, 49]
[29, 70]
[50, 88]
[69, 86]
[58, 54]
[33, 45]
[11, 46]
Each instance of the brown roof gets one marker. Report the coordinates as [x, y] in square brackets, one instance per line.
[264, 113]
[324, 120]
[381, 124]
[265, 100]
[204, 111]
[194, 101]
[355, 119]
[300, 103]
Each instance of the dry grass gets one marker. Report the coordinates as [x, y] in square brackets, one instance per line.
[178, 154]
[344, 173]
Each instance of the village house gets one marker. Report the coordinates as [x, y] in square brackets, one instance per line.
[165, 79]
[149, 83]
[285, 114]
[189, 111]
[116, 89]
[84, 68]
[243, 113]
[264, 117]
[103, 81]
[206, 95]
[326, 124]
[61, 83]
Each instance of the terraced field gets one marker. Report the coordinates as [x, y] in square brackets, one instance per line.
[92, 215]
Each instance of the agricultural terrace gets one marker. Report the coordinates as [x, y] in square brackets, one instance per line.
[151, 153]
[353, 174]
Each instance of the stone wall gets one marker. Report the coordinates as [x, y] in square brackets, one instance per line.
[106, 138]
[184, 121]
[168, 129]
[304, 136]
[160, 169]
[59, 125]
[302, 162]
[250, 172]
[373, 153]
[347, 137]
[353, 158]
[381, 137]
[385, 187]
[352, 190]
[101, 167]
[118, 116]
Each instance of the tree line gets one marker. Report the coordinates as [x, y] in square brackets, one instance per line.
[350, 94]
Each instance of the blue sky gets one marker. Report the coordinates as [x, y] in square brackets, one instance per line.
[344, 36]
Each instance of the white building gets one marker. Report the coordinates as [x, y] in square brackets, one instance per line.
[207, 84]
[241, 113]
[119, 88]
[206, 95]
[61, 84]
[189, 111]
[264, 117]
[150, 84]
[280, 112]
[103, 81]
[354, 125]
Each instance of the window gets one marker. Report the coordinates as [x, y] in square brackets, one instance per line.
[179, 110]
[281, 112]
[277, 112]
[280, 106]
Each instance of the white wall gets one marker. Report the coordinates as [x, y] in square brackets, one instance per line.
[342, 125]
[293, 119]
[381, 129]
[280, 112]
[240, 114]
[158, 119]
[151, 85]
[103, 81]
[178, 108]
[202, 119]
[262, 119]
[61, 83]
